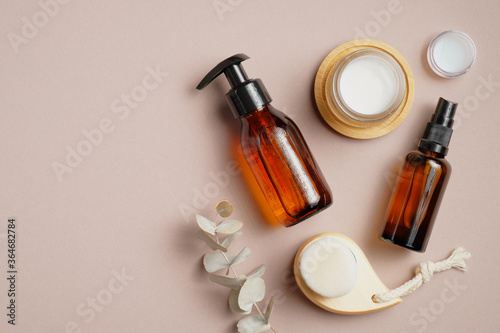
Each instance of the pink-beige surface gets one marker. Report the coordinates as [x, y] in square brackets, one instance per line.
[107, 151]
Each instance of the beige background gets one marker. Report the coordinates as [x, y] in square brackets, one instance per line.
[120, 208]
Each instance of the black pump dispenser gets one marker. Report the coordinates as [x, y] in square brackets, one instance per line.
[273, 147]
[438, 131]
[246, 95]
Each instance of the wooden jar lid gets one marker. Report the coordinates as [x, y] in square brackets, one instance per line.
[336, 118]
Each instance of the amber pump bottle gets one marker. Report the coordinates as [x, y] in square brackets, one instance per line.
[421, 183]
[273, 146]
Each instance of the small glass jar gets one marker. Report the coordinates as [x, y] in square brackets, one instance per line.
[366, 87]
[451, 54]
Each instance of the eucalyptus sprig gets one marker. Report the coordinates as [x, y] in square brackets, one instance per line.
[246, 290]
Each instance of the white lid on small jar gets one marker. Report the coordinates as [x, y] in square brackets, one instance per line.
[451, 54]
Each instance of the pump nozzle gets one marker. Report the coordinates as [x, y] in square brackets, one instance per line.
[246, 94]
[235, 74]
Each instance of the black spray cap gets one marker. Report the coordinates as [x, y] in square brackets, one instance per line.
[438, 131]
[245, 95]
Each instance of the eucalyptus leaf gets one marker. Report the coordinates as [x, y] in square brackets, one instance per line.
[253, 324]
[204, 236]
[229, 226]
[216, 261]
[258, 272]
[206, 224]
[242, 256]
[252, 291]
[233, 283]
[224, 208]
[225, 227]
[269, 309]
[233, 302]
[229, 239]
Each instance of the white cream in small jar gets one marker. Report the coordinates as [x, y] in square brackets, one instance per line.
[368, 85]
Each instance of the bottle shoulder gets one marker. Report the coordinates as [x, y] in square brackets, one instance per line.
[265, 118]
[417, 157]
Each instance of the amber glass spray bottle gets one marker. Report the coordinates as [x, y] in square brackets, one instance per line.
[274, 148]
[421, 184]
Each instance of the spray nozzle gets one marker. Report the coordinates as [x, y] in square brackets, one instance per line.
[437, 134]
[246, 95]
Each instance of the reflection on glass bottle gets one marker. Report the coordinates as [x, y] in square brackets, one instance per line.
[416, 198]
[283, 166]
[420, 184]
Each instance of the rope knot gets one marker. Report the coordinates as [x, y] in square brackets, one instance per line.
[426, 269]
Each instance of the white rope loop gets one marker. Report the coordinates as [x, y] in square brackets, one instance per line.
[423, 274]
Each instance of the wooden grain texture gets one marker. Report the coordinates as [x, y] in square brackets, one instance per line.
[335, 118]
[359, 299]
